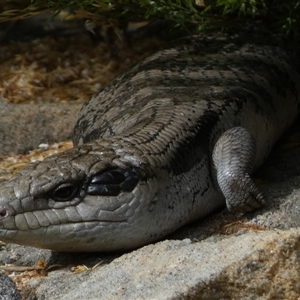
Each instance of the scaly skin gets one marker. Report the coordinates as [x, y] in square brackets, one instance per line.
[162, 145]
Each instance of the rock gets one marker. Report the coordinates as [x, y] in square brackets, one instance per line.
[256, 265]
[24, 126]
[261, 265]
[8, 289]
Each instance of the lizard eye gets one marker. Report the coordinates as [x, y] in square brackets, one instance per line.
[65, 192]
[113, 182]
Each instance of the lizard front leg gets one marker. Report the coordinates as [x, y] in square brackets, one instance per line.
[233, 159]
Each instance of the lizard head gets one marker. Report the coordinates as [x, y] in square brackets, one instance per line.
[82, 200]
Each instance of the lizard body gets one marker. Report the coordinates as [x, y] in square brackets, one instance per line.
[164, 144]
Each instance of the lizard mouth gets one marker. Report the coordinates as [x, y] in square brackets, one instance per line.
[25, 228]
[74, 237]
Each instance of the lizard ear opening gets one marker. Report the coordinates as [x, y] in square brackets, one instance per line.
[112, 182]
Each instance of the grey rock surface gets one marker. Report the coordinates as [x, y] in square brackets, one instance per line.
[248, 266]
[8, 289]
[24, 126]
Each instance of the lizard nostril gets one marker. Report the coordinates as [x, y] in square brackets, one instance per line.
[3, 211]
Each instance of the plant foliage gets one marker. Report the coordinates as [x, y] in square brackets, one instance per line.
[196, 14]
